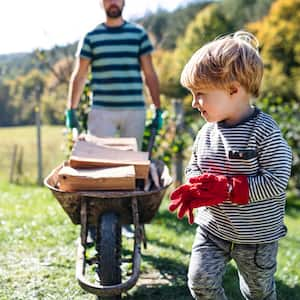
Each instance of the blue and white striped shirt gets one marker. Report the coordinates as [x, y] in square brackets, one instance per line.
[116, 73]
[267, 164]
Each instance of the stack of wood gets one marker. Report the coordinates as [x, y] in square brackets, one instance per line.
[104, 164]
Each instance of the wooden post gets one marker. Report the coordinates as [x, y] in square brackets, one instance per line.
[13, 164]
[178, 162]
[38, 92]
[20, 164]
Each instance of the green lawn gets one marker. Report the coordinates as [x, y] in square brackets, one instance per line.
[37, 258]
[53, 143]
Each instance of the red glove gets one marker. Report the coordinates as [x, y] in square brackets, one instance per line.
[237, 186]
[183, 208]
[182, 203]
[239, 193]
[207, 190]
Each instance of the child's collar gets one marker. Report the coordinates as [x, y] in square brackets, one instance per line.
[255, 112]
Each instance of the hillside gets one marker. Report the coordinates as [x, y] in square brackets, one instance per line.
[16, 64]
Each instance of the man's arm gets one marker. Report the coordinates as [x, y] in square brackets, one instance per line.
[150, 78]
[77, 82]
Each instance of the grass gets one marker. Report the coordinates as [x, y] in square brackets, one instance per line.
[37, 258]
[25, 137]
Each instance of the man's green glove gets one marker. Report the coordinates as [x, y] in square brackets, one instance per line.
[71, 118]
[157, 121]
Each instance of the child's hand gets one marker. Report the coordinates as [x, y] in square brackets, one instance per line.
[182, 206]
[236, 187]
[189, 196]
[207, 190]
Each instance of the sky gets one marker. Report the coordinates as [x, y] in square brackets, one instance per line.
[29, 24]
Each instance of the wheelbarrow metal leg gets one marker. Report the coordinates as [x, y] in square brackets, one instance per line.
[84, 221]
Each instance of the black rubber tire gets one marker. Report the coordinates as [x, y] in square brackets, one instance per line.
[108, 246]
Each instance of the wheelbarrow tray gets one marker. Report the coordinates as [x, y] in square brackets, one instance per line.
[100, 202]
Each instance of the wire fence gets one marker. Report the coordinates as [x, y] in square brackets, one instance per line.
[11, 163]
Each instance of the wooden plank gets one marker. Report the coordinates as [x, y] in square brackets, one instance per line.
[123, 143]
[86, 155]
[116, 178]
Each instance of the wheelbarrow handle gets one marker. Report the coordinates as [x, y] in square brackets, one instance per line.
[153, 133]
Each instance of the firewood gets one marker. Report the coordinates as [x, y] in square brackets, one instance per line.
[116, 178]
[89, 155]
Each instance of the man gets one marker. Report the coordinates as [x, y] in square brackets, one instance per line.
[117, 52]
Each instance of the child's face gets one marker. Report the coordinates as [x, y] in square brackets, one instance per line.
[215, 105]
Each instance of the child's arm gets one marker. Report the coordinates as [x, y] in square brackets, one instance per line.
[275, 160]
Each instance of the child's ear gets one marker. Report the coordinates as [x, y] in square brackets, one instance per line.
[234, 88]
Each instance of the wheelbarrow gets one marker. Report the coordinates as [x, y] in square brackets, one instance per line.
[108, 211]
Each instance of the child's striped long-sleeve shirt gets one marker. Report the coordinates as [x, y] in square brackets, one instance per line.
[256, 148]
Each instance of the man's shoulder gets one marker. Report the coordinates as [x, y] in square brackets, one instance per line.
[96, 29]
[135, 26]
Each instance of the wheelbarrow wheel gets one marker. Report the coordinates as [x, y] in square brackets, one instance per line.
[108, 245]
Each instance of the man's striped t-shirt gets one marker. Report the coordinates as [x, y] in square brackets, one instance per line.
[255, 148]
[115, 64]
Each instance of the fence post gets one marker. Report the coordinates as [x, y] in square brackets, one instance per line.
[178, 161]
[38, 92]
[20, 164]
[13, 164]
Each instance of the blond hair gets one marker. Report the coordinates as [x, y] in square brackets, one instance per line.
[227, 59]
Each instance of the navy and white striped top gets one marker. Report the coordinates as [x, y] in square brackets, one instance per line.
[116, 74]
[267, 163]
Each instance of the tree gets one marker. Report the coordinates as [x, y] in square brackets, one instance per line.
[22, 91]
[278, 34]
[6, 112]
[166, 26]
[246, 10]
[207, 25]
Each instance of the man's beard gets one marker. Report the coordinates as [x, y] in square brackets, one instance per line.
[114, 12]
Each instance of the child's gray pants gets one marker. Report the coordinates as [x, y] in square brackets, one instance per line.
[256, 267]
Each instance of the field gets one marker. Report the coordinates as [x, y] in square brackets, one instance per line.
[38, 246]
[53, 143]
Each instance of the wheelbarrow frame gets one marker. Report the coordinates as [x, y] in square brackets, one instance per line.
[132, 207]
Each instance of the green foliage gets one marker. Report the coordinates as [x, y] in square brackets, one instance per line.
[278, 33]
[22, 73]
[168, 70]
[84, 107]
[162, 141]
[7, 111]
[13, 65]
[207, 25]
[25, 92]
[166, 27]
[246, 10]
